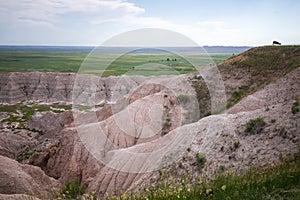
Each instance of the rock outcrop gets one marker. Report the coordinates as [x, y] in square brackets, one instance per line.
[17, 178]
[49, 122]
[53, 87]
[12, 144]
[17, 197]
[155, 113]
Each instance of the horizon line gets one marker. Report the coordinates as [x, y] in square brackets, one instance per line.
[38, 45]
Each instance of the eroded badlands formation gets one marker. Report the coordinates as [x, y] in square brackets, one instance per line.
[144, 124]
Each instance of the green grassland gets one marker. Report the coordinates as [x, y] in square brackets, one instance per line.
[161, 64]
[24, 61]
[70, 61]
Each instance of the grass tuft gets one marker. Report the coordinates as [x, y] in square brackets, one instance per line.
[255, 126]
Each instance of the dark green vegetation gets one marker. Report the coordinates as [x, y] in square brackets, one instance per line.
[182, 98]
[69, 59]
[25, 155]
[72, 190]
[27, 110]
[201, 159]
[255, 126]
[295, 107]
[236, 144]
[236, 97]
[261, 65]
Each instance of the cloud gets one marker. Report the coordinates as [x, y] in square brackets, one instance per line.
[67, 13]
[71, 14]
[45, 21]
[63, 19]
[60, 11]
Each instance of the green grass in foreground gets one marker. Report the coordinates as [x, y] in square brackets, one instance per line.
[281, 181]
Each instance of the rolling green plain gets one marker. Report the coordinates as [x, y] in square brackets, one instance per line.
[79, 59]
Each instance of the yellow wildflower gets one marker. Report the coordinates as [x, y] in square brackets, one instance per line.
[209, 191]
[223, 187]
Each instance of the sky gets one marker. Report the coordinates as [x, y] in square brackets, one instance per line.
[92, 22]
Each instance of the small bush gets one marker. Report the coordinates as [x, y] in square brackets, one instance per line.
[282, 130]
[273, 121]
[207, 114]
[222, 168]
[295, 107]
[236, 144]
[73, 190]
[236, 97]
[255, 126]
[182, 98]
[295, 110]
[24, 155]
[201, 159]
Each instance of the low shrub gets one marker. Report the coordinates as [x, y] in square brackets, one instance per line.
[236, 144]
[255, 126]
[201, 159]
[73, 190]
[182, 98]
[188, 149]
[295, 107]
[24, 155]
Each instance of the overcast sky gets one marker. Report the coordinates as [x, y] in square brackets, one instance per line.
[91, 22]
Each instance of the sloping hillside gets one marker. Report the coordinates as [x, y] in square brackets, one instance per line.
[246, 73]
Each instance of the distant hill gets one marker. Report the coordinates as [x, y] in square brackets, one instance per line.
[226, 49]
[87, 49]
